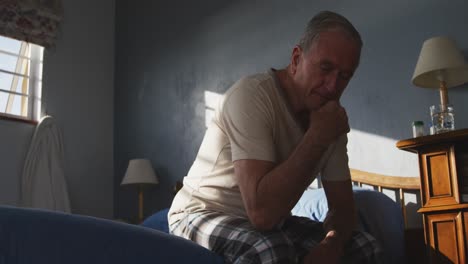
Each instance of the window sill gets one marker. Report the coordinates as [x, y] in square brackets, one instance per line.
[18, 119]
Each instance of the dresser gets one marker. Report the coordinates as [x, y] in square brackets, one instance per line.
[443, 168]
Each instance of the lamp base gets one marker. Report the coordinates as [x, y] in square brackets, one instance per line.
[443, 95]
[140, 203]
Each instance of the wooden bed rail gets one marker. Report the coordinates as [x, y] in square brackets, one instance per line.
[384, 181]
[380, 181]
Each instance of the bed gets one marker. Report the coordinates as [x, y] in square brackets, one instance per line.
[40, 236]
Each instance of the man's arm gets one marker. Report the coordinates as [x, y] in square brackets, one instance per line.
[338, 224]
[270, 190]
[341, 217]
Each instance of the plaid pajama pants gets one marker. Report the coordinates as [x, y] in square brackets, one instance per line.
[238, 242]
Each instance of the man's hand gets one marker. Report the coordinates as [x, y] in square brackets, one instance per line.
[328, 123]
[327, 252]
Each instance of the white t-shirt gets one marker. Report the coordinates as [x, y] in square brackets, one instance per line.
[253, 121]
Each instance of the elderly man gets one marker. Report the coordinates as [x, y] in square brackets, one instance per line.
[271, 135]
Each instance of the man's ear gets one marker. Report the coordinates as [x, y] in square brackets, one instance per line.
[295, 58]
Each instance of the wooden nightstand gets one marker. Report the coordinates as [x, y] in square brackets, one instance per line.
[443, 168]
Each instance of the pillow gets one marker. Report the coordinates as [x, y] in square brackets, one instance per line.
[312, 204]
[158, 221]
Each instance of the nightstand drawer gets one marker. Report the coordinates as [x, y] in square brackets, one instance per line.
[446, 237]
[439, 175]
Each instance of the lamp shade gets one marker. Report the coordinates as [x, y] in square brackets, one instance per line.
[440, 60]
[139, 171]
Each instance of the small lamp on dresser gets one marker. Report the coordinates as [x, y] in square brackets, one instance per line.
[140, 173]
[441, 65]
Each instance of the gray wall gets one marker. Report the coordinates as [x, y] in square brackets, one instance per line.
[78, 90]
[169, 53]
[14, 140]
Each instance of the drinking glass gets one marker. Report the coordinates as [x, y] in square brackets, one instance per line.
[443, 119]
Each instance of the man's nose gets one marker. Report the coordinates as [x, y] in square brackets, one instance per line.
[331, 85]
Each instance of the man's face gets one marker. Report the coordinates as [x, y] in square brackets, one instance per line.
[322, 73]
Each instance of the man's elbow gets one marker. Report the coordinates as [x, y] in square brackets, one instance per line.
[262, 221]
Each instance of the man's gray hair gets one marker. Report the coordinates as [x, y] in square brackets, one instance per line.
[327, 21]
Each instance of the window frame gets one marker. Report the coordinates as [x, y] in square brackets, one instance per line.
[34, 83]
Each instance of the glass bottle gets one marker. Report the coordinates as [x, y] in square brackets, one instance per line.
[418, 128]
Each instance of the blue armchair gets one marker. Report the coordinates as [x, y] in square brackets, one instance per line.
[40, 236]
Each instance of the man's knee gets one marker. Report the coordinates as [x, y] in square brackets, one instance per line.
[363, 248]
[264, 247]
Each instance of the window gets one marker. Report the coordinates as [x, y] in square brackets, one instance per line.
[20, 79]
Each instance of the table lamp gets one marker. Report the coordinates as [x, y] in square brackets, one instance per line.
[441, 65]
[140, 173]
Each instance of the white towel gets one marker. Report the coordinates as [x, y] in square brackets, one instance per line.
[43, 182]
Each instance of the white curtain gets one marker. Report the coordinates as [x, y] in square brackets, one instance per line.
[43, 182]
